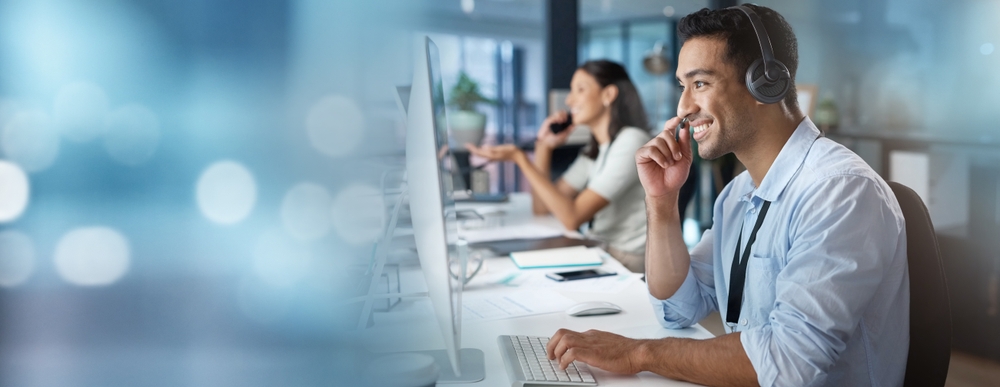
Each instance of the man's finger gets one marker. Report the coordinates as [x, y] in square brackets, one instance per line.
[565, 344]
[568, 357]
[672, 148]
[553, 341]
[668, 147]
[671, 124]
[654, 154]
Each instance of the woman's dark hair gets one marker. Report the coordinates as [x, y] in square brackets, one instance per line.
[742, 47]
[626, 109]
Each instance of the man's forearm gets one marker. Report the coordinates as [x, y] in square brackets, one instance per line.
[720, 361]
[667, 258]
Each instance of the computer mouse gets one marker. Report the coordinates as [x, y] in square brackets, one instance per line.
[593, 308]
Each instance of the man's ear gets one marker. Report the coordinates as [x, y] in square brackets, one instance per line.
[609, 94]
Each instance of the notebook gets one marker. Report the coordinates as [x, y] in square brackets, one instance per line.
[507, 246]
[559, 257]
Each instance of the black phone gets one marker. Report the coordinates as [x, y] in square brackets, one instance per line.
[557, 127]
[579, 274]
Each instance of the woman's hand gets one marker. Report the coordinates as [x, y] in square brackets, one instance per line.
[504, 152]
[551, 140]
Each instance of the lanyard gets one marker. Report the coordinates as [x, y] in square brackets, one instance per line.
[738, 274]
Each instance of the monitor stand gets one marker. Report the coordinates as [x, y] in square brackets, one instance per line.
[470, 360]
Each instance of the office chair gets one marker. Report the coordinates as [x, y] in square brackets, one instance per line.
[930, 311]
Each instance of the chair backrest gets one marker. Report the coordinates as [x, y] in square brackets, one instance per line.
[930, 311]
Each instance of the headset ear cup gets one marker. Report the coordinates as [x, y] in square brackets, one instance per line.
[763, 90]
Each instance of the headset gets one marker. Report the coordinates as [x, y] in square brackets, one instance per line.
[767, 79]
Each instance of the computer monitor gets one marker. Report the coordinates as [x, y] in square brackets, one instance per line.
[432, 209]
[403, 98]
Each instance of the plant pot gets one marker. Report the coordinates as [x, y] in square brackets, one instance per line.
[465, 127]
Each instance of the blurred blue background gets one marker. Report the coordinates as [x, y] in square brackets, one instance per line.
[203, 187]
[189, 190]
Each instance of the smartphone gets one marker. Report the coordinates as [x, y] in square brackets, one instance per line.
[557, 127]
[579, 274]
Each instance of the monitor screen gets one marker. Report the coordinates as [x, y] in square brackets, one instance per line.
[432, 207]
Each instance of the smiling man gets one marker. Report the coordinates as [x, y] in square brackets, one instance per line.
[806, 258]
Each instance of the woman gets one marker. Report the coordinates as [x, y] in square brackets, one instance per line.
[601, 188]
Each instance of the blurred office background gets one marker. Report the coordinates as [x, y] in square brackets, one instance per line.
[190, 190]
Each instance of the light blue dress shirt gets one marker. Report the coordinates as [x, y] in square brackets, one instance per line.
[826, 301]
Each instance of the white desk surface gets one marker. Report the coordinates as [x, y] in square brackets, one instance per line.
[636, 320]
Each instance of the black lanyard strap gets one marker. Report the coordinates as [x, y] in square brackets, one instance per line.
[738, 274]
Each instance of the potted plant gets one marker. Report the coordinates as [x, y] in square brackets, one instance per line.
[467, 124]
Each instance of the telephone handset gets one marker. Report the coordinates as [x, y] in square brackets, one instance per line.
[557, 127]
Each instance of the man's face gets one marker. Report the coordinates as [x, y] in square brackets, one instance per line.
[714, 98]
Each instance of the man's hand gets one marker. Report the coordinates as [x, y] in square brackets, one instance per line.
[664, 163]
[505, 152]
[603, 350]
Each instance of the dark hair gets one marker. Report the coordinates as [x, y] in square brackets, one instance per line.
[742, 47]
[626, 109]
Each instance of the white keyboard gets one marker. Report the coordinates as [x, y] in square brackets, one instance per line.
[527, 362]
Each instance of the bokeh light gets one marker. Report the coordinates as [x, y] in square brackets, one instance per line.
[335, 125]
[279, 260]
[132, 135]
[359, 214]
[92, 256]
[79, 110]
[226, 192]
[17, 258]
[468, 6]
[15, 190]
[986, 48]
[30, 141]
[669, 11]
[305, 211]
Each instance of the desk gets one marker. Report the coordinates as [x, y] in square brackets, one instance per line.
[636, 320]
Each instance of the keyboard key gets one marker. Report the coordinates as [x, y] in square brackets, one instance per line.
[530, 356]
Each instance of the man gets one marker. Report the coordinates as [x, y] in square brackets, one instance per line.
[826, 294]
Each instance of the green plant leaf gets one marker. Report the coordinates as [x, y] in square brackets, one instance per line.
[465, 95]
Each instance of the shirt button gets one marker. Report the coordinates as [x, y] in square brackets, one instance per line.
[743, 321]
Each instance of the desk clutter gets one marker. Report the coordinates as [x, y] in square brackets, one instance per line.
[512, 297]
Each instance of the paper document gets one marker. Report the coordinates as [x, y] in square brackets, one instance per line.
[522, 231]
[507, 304]
[560, 257]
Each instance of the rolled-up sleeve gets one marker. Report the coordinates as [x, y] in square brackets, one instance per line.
[696, 298]
[836, 262]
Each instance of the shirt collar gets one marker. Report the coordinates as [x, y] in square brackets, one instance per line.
[789, 160]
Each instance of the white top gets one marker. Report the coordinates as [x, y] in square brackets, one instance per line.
[613, 175]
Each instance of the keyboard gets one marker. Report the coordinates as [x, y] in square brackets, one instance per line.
[527, 362]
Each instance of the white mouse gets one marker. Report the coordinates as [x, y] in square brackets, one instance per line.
[591, 308]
